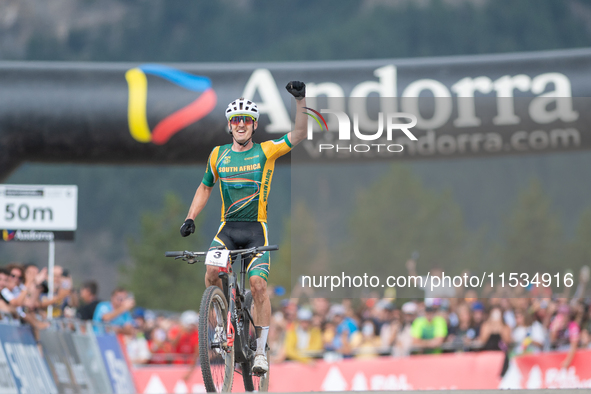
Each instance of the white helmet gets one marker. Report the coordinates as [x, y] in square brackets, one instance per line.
[242, 106]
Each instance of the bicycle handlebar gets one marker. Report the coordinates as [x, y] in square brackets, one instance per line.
[253, 250]
[174, 254]
[267, 248]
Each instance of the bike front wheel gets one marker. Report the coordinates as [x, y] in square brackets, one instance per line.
[217, 361]
[253, 382]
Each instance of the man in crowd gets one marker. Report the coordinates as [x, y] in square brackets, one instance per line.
[62, 288]
[13, 294]
[116, 312]
[88, 294]
[429, 331]
[188, 339]
[4, 278]
[302, 338]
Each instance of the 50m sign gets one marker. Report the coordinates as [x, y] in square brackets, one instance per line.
[38, 207]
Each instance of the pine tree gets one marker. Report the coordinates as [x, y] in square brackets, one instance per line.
[159, 282]
[533, 238]
[397, 216]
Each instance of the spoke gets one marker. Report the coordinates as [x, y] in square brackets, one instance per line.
[216, 335]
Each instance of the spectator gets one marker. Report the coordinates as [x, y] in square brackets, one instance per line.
[276, 337]
[188, 342]
[365, 343]
[4, 276]
[138, 349]
[302, 338]
[429, 331]
[404, 339]
[345, 327]
[463, 334]
[477, 317]
[494, 333]
[62, 287]
[565, 332]
[586, 329]
[445, 289]
[528, 335]
[13, 294]
[88, 294]
[160, 345]
[389, 318]
[116, 311]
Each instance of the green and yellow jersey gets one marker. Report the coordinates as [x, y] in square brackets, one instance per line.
[245, 178]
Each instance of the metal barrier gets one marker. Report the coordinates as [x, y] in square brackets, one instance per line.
[73, 357]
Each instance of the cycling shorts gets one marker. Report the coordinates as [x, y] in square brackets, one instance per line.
[243, 235]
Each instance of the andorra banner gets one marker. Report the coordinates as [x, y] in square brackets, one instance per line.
[464, 106]
[475, 371]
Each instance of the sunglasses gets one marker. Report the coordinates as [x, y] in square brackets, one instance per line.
[248, 120]
[16, 276]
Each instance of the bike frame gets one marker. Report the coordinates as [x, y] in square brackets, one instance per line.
[236, 320]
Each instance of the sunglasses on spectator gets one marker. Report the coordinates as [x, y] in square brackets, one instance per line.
[16, 276]
[248, 120]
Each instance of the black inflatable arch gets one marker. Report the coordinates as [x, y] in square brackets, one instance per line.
[174, 113]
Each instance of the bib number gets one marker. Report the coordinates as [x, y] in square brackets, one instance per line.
[217, 258]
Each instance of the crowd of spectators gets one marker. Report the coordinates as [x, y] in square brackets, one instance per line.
[513, 320]
[150, 337]
[304, 329]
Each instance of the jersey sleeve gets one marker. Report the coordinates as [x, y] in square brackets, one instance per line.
[211, 174]
[276, 148]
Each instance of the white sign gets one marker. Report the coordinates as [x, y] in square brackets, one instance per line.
[218, 258]
[38, 207]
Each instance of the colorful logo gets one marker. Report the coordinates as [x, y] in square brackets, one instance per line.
[173, 123]
[8, 235]
[316, 117]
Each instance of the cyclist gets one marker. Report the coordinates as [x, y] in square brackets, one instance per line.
[245, 169]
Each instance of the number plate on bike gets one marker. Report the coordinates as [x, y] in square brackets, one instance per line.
[218, 258]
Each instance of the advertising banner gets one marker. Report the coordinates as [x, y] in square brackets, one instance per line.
[545, 371]
[119, 375]
[174, 113]
[465, 371]
[90, 356]
[28, 372]
[80, 376]
[7, 383]
[54, 351]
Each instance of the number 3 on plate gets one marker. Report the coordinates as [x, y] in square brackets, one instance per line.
[217, 258]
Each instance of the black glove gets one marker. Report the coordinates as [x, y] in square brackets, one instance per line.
[188, 228]
[297, 89]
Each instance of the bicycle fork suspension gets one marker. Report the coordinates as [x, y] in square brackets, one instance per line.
[230, 332]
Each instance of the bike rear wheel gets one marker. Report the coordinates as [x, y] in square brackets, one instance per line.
[253, 382]
[217, 365]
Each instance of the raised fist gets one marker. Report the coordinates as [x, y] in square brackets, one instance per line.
[297, 89]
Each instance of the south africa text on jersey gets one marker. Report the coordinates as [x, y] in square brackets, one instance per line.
[250, 167]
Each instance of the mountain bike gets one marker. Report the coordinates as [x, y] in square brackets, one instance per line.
[227, 333]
